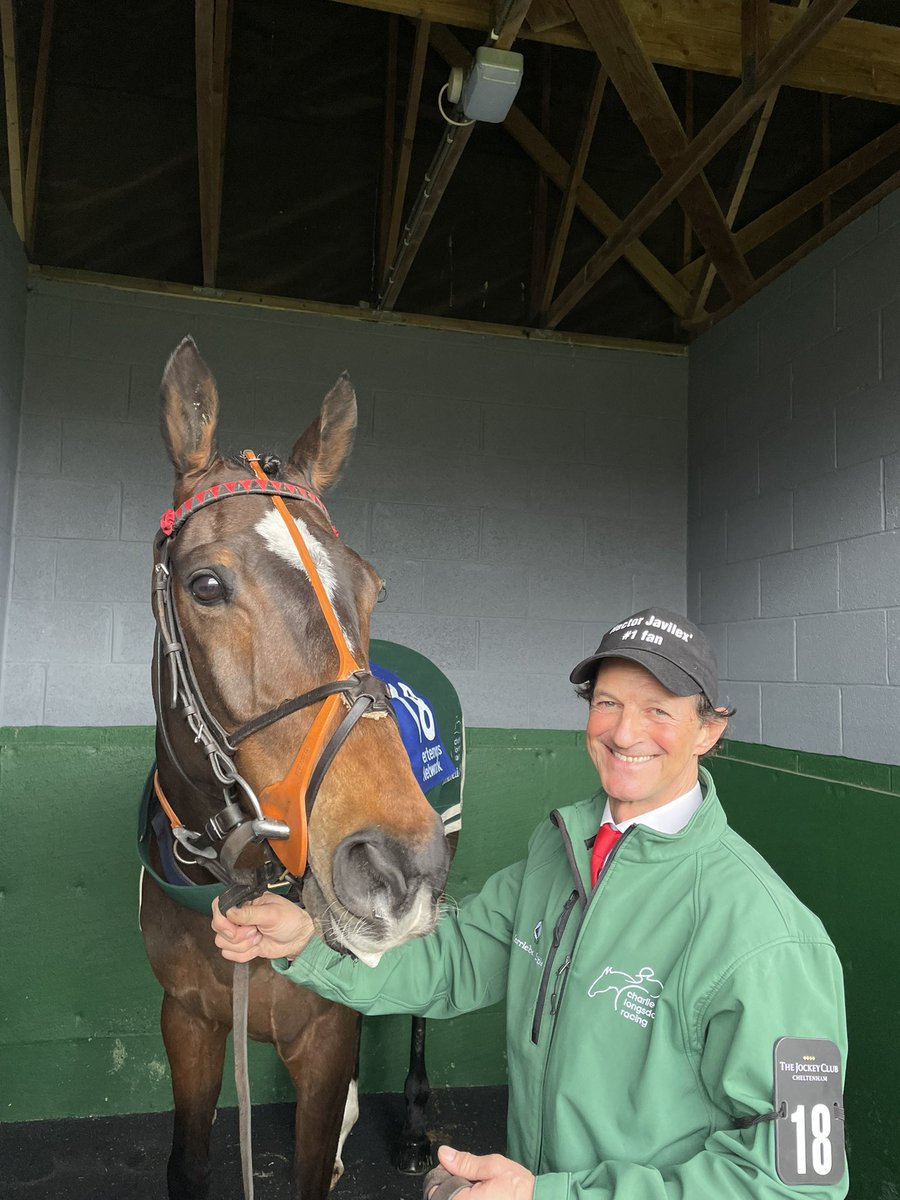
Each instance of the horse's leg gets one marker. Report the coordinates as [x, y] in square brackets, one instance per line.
[196, 1050]
[321, 1058]
[351, 1116]
[413, 1154]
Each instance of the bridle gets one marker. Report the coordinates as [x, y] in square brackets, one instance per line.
[282, 811]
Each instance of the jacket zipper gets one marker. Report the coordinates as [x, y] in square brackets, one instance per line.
[562, 973]
[558, 986]
[556, 997]
[558, 931]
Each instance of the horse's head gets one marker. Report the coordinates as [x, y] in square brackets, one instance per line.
[257, 635]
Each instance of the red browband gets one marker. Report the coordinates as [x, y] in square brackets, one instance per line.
[174, 518]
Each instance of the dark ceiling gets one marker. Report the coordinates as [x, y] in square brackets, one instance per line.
[304, 151]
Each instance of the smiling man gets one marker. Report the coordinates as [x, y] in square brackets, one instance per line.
[650, 960]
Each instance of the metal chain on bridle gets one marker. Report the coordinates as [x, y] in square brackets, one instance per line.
[225, 836]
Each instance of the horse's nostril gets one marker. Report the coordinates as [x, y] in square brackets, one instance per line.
[375, 865]
[376, 875]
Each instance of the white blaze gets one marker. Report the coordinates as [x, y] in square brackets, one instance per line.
[272, 529]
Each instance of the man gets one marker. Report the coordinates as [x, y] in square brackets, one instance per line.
[648, 968]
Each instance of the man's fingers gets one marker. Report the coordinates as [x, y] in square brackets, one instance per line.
[460, 1162]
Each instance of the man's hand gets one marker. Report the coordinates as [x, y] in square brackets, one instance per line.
[268, 927]
[493, 1176]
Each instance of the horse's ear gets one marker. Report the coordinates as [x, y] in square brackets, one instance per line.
[190, 410]
[322, 450]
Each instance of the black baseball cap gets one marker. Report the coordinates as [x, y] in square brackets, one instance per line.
[667, 644]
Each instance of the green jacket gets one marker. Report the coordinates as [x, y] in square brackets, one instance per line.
[641, 1019]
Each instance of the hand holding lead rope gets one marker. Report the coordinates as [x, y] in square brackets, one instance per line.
[439, 1184]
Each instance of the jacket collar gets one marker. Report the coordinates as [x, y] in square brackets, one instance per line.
[579, 822]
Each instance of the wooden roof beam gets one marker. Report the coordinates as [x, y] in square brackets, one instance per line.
[767, 224]
[213, 53]
[385, 198]
[754, 43]
[570, 193]
[548, 14]
[557, 170]
[857, 58]
[440, 172]
[541, 194]
[36, 128]
[634, 77]
[754, 37]
[13, 121]
[891, 184]
[810, 27]
[413, 95]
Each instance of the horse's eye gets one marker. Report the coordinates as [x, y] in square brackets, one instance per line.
[206, 588]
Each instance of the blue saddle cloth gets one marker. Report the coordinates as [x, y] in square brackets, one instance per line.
[428, 757]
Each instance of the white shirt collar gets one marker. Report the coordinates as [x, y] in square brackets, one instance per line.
[668, 818]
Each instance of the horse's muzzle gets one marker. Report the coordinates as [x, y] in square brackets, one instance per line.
[379, 878]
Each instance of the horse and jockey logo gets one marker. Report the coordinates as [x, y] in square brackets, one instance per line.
[634, 996]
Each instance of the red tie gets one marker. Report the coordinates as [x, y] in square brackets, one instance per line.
[604, 841]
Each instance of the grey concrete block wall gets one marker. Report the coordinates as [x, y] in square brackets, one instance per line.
[794, 499]
[501, 486]
[12, 348]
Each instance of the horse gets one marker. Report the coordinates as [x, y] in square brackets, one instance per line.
[262, 633]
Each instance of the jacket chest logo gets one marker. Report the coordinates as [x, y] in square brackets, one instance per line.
[633, 997]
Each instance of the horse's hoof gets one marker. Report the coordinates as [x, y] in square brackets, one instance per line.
[414, 1157]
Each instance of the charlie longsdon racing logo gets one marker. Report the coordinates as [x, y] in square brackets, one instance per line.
[633, 996]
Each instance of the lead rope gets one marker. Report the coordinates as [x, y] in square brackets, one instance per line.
[240, 999]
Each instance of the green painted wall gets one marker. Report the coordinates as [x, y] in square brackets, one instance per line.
[78, 1003]
[79, 1006]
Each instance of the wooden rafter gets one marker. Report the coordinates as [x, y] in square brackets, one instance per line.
[590, 205]
[413, 94]
[687, 235]
[738, 190]
[548, 14]
[758, 129]
[857, 58]
[13, 122]
[387, 169]
[754, 37]
[891, 184]
[541, 197]
[825, 114]
[570, 193]
[618, 47]
[213, 52]
[440, 172]
[740, 106]
[771, 222]
[36, 128]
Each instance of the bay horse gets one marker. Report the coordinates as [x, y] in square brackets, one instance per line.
[246, 626]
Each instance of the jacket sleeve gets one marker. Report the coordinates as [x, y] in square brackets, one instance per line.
[791, 988]
[460, 966]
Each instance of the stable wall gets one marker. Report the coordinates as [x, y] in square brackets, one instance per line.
[794, 500]
[481, 486]
[12, 349]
